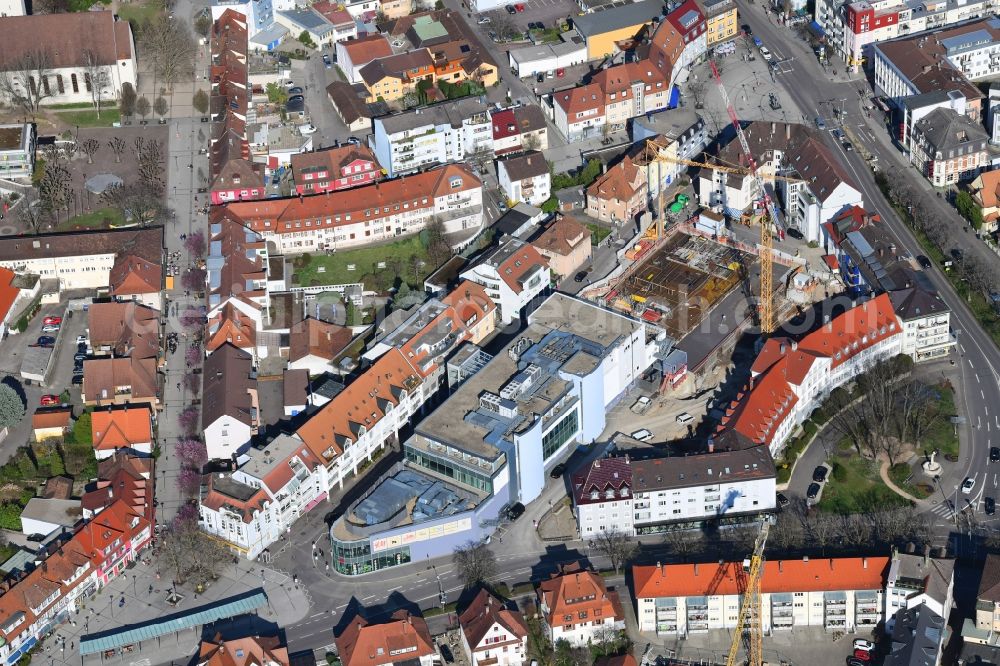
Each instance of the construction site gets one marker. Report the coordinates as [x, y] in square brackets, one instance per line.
[676, 281]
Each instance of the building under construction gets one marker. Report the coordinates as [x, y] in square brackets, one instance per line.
[674, 283]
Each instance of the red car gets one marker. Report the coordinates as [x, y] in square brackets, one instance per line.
[48, 400]
[560, 72]
[519, 7]
[863, 655]
[52, 320]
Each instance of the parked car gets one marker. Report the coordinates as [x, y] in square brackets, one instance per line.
[515, 511]
[519, 7]
[326, 61]
[854, 661]
[820, 123]
[52, 320]
[484, 20]
[684, 418]
[48, 400]
[79, 356]
[550, 74]
[813, 491]
[81, 348]
[995, 454]
[968, 485]
[77, 379]
[989, 506]
[819, 474]
[50, 328]
[862, 644]
[848, 147]
[781, 499]
[558, 471]
[795, 233]
[295, 90]
[354, 140]
[560, 73]
[766, 53]
[642, 435]
[580, 277]
[295, 98]
[307, 129]
[510, 9]
[46, 340]
[290, 84]
[746, 30]
[863, 655]
[925, 263]
[540, 78]
[837, 134]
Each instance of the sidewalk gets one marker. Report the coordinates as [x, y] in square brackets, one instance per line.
[287, 603]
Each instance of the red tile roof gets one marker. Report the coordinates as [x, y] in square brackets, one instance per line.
[362, 404]
[519, 264]
[580, 99]
[372, 202]
[484, 612]
[248, 651]
[314, 337]
[574, 590]
[761, 407]
[120, 428]
[804, 575]
[403, 638]
[621, 182]
[135, 275]
[51, 418]
[8, 292]
[602, 475]
[365, 49]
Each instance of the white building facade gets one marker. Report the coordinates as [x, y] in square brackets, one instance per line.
[512, 277]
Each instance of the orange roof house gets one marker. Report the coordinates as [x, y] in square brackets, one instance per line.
[314, 343]
[248, 651]
[985, 190]
[565, 244]
[618, 195]
[576, 604]
[133, 276]
[128, 427]
[8, 295]
[48, 423]
[404, 638]
[230, 325]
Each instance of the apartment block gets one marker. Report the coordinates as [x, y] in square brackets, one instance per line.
[578, 607]
[525, 178]
[370, 214]
[647, 496]
[838, 594]
[512, 276]
[428, 136]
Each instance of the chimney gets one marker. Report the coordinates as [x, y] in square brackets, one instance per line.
[781, 566]
[788, 132]
[805, 558]
[864, 562]
[695, 568]
[597, 464]
[659, 566]
[774, 127]
[795, 345]
[781, 348]
[927, 554]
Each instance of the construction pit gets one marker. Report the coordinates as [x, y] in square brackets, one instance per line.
[674, 283]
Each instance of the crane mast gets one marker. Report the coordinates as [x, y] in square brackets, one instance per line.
[749, 631]
[766, 305]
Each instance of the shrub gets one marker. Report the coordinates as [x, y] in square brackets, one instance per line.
[839, 472]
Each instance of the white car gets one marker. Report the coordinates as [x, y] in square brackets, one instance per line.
[81, 339]
[50, 328]
[642, 435]
[307, 129]
[684, 418]
[967, 485]
[767, 54]
[862, 644]
[484, 20]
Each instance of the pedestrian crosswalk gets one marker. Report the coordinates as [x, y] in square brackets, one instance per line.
[943, 510]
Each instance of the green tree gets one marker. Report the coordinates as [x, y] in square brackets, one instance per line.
[200, 101]
[276, 94]
[969, 209]
[551, 205]
[403, 291]
[142, 107]
[305, 39]
[127, 100]
[11, 406]
[160, 106]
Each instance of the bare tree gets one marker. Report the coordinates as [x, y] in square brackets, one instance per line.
[140, 202]
[89, 147]
[25, 80]
[151, 163]
[504, 27]
[475, 563]
[682, 544]
[54, 190]
[787, 533]
[822, 530]
[30, 213]
[170, 48]
[697, 90]
[190, 554]
[118, 147]
[615, 545]
[96, 78]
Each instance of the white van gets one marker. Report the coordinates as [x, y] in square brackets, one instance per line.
[684, 418]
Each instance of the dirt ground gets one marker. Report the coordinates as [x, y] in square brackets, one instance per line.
[103, 163]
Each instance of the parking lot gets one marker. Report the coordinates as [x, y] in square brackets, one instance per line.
[549, 12]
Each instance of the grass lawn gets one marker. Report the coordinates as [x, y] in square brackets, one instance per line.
[98, 219]
[598, 233]
[858, 488]
[138, 13]
[64, 107]
[900, 474]
[397, 257]
[942, 436]
[88, 117]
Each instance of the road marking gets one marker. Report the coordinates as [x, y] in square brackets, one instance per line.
[977, 379]
[979, 423]
[982, 394]
[970, 364]
[994, 480]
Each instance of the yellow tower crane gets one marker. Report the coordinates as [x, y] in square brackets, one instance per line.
[749, 632]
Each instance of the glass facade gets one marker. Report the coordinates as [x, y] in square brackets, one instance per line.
[559, 435]
[355, 557]
[445, 467]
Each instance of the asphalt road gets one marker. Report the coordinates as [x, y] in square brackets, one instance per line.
[811, 87]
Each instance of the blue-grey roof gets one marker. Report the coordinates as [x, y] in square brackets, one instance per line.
[972, 39]
[170, 624]
[616, 18]
[309, 19]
